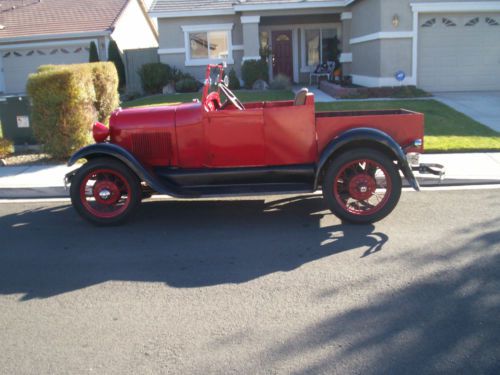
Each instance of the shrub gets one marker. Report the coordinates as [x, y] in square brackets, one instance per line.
[105, 81]
[63, 108]
[6, 147]
[281, 82]
[93, 54]
[154, 76]
[234, 82]
[252, 70]
[188, 84]
[115, 56]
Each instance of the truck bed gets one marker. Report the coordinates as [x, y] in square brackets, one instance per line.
[403, 125]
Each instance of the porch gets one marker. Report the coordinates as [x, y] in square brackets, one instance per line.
[294, 45]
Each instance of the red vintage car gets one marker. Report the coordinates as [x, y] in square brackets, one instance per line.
[224, 148]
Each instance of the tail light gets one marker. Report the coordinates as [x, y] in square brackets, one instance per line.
[100, 132]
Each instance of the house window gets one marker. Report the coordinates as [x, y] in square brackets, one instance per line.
[208, 44]
[321, 45]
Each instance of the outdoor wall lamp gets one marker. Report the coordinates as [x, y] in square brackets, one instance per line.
[395, 20]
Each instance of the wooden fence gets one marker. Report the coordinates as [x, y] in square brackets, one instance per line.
[134, 59]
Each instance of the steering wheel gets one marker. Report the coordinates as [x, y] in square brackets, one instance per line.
[232, 98]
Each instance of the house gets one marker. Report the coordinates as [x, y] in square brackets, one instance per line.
[437, 45]
[39, 32]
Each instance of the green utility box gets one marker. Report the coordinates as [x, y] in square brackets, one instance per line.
[15, 115]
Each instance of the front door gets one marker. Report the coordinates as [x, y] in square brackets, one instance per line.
[282, 53]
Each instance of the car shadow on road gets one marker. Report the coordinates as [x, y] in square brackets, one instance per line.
[446, 323]
[184, 244]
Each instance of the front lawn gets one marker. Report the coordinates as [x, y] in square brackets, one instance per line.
[243, 95]
[446, 130]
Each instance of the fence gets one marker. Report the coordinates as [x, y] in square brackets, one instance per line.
[134, 59]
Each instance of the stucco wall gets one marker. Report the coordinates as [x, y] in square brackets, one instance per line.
[395, 56]
[172, 36]
[366, 16]
[366, 58]
[132, 29]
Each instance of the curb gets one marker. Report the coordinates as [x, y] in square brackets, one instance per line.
[34, 193]
[61, 192]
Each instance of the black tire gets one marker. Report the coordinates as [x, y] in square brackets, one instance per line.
[346, 184]
[117, 181]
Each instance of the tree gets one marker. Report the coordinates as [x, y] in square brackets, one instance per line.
[114, 56]
[93, 54]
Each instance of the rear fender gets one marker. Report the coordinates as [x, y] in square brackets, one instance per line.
[114, 151]
[366, 136]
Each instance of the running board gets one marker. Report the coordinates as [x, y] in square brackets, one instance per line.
[248, 189]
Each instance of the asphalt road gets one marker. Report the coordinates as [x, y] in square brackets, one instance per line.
[253, 286]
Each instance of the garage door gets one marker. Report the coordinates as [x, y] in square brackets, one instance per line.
[19, 63]
[459, 52]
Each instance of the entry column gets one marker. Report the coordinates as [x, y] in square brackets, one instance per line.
[251, 44]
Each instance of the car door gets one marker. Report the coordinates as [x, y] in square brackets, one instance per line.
[235, 138]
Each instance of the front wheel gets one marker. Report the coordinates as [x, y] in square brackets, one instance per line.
[362, 186]
[105, 192]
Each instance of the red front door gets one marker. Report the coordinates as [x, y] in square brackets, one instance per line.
[282, 53]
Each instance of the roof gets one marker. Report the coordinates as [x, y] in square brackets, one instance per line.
[24, 18]
[173, 6]
[183, 5]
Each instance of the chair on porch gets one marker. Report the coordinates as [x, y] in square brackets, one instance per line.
[322, 70]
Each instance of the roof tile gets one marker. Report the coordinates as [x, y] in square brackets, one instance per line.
[44, 17]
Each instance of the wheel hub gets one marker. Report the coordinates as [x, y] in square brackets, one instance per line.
[106, 192]
[362, 186]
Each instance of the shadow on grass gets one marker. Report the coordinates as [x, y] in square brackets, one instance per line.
[184, 244]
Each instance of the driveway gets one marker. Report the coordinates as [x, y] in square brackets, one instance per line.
[482, 106]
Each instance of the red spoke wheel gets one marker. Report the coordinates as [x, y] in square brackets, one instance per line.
[362, 186]
[105, 191]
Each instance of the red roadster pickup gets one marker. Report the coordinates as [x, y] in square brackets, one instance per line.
[224, 148]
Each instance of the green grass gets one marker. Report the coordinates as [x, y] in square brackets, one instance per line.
[446, 130]
[243, 95]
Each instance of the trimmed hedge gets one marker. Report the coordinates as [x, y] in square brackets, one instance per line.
[63, 107]
[234, 82]
[253, 70]
[154, 76]
[187, 84]
[281, 82]
[6, 147]
[105, 80]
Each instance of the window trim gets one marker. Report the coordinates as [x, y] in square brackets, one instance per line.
[222, 27]
[304, 68]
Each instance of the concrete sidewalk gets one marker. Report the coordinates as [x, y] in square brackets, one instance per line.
[47, 181]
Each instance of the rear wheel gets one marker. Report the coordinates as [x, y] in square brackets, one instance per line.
[362, 186]
[105, 192]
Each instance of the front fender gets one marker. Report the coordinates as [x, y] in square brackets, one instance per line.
[117, 152]
[367, 135]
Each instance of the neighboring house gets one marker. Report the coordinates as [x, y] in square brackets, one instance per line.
[39, 32]
[439, 45]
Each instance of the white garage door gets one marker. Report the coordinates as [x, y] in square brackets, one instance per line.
[19, 63]
[459, 52]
